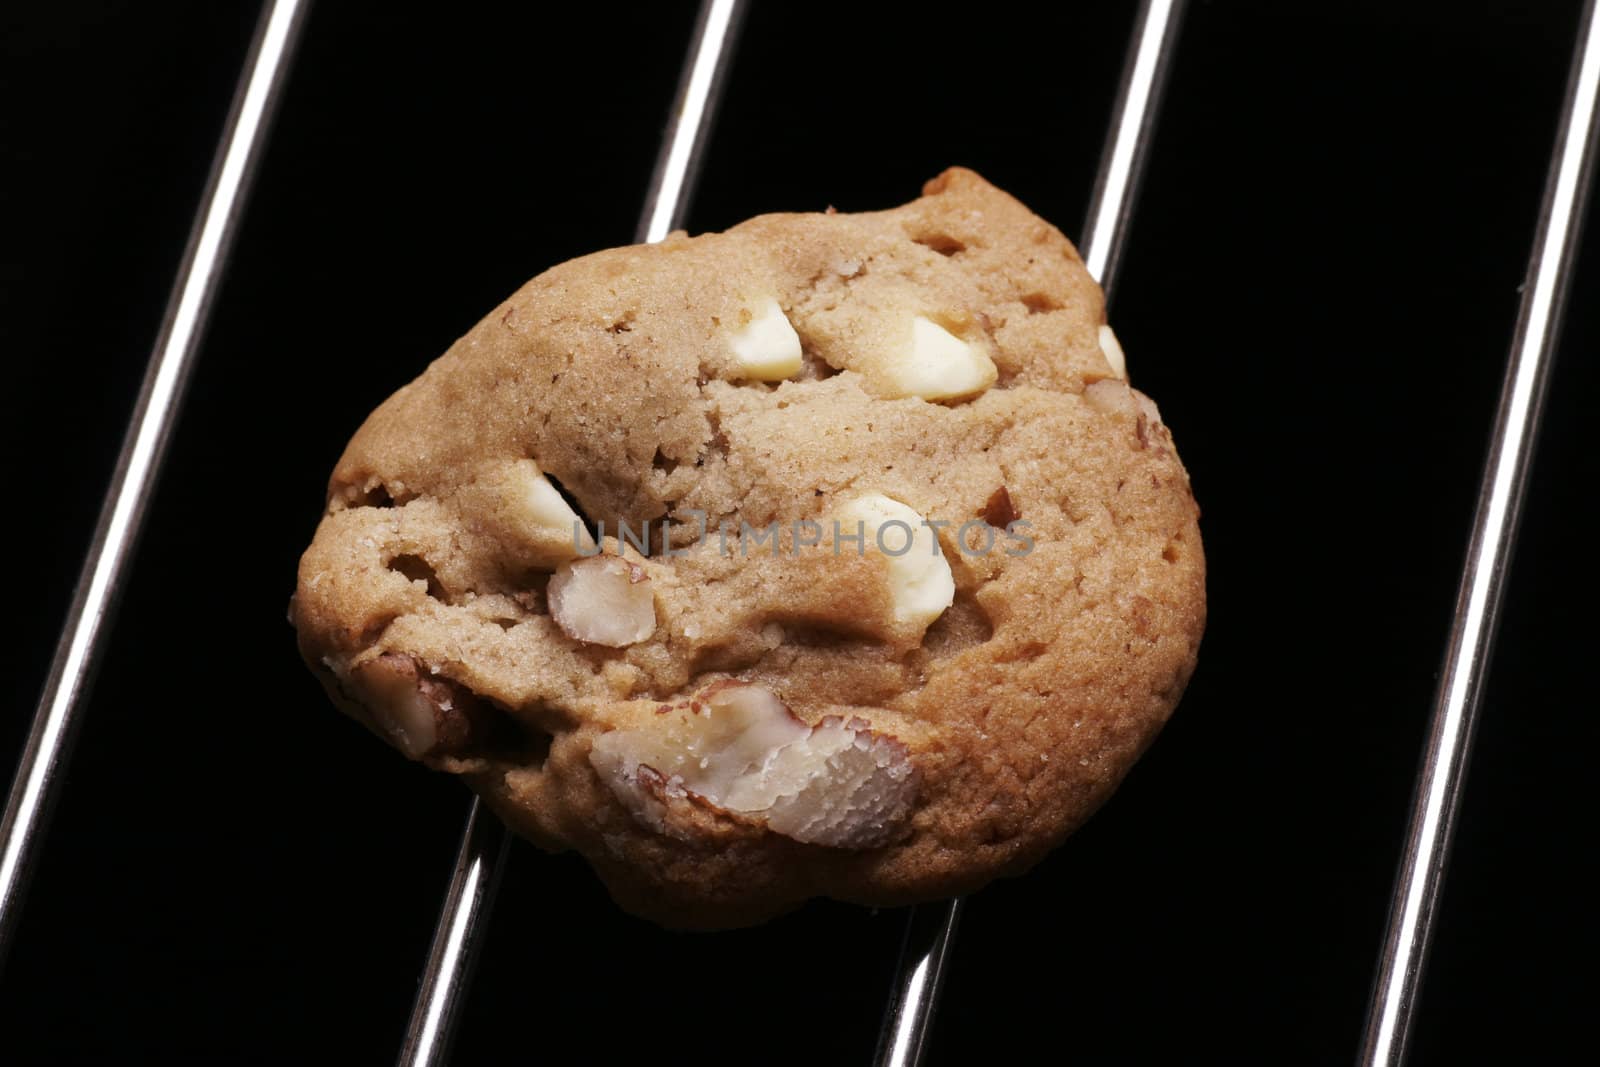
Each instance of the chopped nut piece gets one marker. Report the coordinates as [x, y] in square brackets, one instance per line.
[858, 790]
[1147, 408]
[1148, 421]
[998, 511]
[767, 349]
[418, 713]
[738, 748]
[603, 600]
[1110, 395]
[1115, 397]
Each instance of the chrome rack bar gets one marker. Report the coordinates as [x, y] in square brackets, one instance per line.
[479, 862]
[1468, 656]
[485, 842]
[1127, 150]
[183, 327]
[931, 928]
[924, 951]
[689, 129]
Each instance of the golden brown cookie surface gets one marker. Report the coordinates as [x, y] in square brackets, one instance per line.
[912, 576]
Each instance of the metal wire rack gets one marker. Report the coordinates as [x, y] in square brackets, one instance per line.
[931, 929]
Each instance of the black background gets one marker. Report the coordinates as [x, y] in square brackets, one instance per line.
[1319, 291]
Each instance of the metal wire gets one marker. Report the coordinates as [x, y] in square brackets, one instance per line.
[469, 897]
[931, 928]
[116, 533]
[1127, 150]
[1483, 579]
[678, 164]
[479, 863]
[924, 951]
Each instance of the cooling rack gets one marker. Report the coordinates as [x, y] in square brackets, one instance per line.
[931, 930]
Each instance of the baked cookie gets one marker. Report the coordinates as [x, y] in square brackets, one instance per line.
[830, 555]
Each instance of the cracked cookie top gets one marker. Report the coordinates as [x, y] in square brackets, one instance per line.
[831, 554]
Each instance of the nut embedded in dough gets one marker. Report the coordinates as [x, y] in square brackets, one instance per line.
[419, 714]
[603, 600]
[1111, 396]
[998, 511]
[739, 748]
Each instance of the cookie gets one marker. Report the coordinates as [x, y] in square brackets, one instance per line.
[830, 555]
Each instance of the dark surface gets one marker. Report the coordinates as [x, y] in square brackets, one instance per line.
[1319, 292]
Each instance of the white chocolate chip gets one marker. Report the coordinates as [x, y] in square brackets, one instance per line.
[536, 514]
[603, 600]
[1112, 348]
[935, 364]
[920, 583]
[767, 349]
